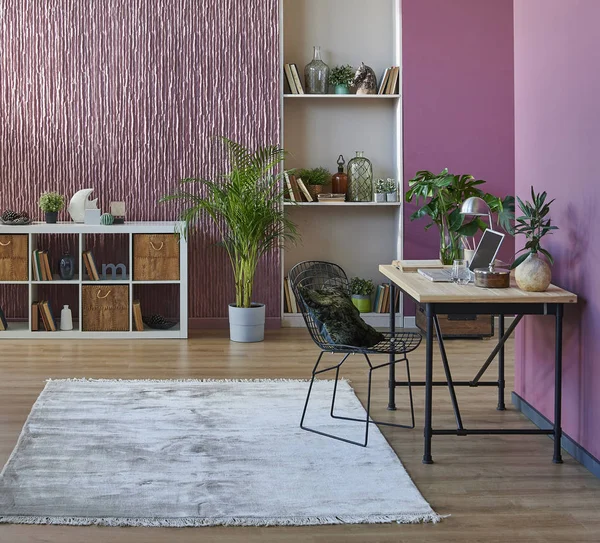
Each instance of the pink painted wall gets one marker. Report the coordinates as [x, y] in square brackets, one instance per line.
[557, 113]
[458, 100]
[124, 97]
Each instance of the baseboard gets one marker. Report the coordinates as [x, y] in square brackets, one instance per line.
[567, 443]
[222, 323]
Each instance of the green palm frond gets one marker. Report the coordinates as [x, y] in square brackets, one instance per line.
[246, 207]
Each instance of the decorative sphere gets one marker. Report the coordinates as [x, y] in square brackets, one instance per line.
[107, 219]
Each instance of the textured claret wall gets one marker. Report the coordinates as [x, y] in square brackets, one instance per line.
[458, 101]
[124, 96]
[557, 115]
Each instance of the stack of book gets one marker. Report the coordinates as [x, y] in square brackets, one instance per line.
[293, 78]
[42, 310]
[138, 323]
[296, 189]
[41, 266]
[3, 322]
[382, 299]
[389, 81]
[90, 266]
[291, 305]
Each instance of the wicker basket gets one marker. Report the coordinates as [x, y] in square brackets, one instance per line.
[105, 308]
[13, 257]
[155, 257]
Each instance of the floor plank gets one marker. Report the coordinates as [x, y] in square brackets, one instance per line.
[496, 488]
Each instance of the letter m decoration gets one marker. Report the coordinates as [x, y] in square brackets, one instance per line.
[113, 271]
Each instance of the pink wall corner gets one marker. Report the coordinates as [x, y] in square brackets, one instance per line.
[557, 115]
[458, 100]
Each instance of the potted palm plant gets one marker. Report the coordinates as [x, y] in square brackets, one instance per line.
[443, 195]
[245, 206]
[532, 272]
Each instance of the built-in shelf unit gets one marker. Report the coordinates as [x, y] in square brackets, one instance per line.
[316, 129]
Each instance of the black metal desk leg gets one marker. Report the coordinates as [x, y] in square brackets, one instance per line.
[557, 459]
[392, 355]
[428, 384]
[501, 383]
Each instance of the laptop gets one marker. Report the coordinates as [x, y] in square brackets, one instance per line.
[484, 255]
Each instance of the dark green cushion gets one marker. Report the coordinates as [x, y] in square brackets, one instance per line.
[339, 319]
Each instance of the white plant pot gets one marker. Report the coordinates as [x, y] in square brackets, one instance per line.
[533, 274]
[380, 197]
[247, 324]
[392, 196]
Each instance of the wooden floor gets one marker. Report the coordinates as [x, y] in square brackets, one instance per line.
[496, 488]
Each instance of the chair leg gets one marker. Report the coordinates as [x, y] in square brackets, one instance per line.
[310, 388]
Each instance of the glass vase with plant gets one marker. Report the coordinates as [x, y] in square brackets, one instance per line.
[51, 203]
[532, 272]
[341, 77]
[442, 196]
[361, 290]
[245, 207]
[314, 179]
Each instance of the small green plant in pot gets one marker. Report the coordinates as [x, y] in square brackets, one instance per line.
[391, 190]
[361, 290]
[314, 179]
[51, 203]
[245, 207]
[533, 273]
[380, 189]
[341, 77]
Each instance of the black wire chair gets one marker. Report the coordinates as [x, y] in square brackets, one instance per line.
[316, 275]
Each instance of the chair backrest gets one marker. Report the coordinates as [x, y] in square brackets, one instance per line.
[315, 274]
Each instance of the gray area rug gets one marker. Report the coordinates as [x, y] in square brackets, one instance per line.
[200, 453]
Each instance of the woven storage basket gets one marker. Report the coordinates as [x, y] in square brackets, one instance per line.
[105, 308]
[155, 257]
[13, 257]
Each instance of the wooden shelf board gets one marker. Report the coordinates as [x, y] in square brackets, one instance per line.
[343, 96]
[342, 204]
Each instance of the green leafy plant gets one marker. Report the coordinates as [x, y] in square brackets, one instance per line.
[51, 202]
[361, 287]
[390, 185]
[380, 186]
[245, 206]
[341, 75]
[442, 196]
[534, 225]
[315, 176]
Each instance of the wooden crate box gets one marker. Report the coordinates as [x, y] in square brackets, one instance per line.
[105, 308]
[14, 255]
[155, 257]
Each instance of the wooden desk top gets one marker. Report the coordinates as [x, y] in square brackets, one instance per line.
[425, 291]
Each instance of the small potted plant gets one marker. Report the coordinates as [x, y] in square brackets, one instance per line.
[361, 293]
[533, 273]
[380, 190]
[51, 203]
[340, 78]
[391, 190]
[314, 179]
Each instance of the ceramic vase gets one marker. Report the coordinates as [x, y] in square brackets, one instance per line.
[67, 267]
[51, 217]
[380, 197]
[66, 318]
[342, 89]
[362, 303]
[533, 274]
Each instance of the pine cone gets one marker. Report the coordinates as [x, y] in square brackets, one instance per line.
[9, 215]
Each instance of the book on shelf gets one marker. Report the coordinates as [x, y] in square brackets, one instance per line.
[304, 190]
[296, 76]
[3, 321]
[35, 317]
[290, 192]
[290, 300]
[90, 266]
[287, 68]
[137, 316]
[377, 302]
[331, 198]
[392, 80]
[295, 188]
[384, 80]
[45, 311]
[41, 266]
[47, 270]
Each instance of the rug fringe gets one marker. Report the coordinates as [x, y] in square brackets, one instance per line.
[186, 522]
[209, 380]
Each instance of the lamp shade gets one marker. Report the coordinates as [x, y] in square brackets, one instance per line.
[475, 206]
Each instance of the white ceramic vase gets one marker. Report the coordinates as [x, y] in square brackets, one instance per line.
[66, 318]
[247, 324]
[533, 274]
